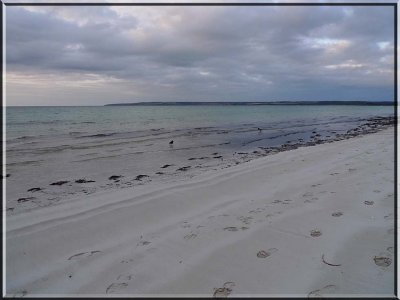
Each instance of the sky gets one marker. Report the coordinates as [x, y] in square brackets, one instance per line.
[116, 54]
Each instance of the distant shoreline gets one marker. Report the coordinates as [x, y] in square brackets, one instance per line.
[191, 103]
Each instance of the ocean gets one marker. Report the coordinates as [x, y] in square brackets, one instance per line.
[45, 145]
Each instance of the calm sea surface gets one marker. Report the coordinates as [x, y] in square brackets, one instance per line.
[47, 144]
[55, 121]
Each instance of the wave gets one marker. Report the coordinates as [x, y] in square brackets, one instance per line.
[24, 138]
[23, 163]
[36, 122]
[27, 137]
[99, 135]
[76, 133]
[83, 122]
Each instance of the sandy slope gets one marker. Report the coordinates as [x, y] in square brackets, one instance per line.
[203, 235]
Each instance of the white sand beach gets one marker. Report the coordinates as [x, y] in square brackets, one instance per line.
[307, 222]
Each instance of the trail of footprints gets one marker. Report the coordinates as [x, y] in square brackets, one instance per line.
[382, 260]
[227, 288]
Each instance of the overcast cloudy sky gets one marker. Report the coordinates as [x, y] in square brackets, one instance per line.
[98, 55]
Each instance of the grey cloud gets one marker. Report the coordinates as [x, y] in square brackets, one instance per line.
[205, 53]
[42, 40]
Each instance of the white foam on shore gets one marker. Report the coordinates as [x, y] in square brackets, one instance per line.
[194, 236]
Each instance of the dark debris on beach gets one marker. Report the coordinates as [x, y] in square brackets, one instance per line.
[83, 180]
[36, 189]
[25, 199]
[370, 125]
[184, 168]
[165, 166]
[61, 182]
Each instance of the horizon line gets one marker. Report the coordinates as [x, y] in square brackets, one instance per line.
[284, 102]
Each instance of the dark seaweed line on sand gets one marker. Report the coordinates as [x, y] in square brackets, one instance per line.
[373, 126]
[273, 137]
[150, 151]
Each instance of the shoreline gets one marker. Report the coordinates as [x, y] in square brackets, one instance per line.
[261, 228]
[62, 189]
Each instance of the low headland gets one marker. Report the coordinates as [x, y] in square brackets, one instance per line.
[186, 103]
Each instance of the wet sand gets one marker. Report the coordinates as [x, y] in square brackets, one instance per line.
[65, 171]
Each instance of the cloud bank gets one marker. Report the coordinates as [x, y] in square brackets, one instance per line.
[98, 55]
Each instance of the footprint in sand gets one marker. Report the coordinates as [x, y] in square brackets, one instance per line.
[231, 228]
[366, 202]
[256, 211]
[382, 261]
[315, 185]
[245, 220]
[326, 290]
[115, 287]
[308, 201]
[190, 236]
[125, 277]
[308, 194]
[315, 233]
[143, 243]
[265, 254]
[225, 290]
[276, 201]
[185, 224]
[389, 195]
[390, 249]
[337, 214]
[83, 255]
[377, 191]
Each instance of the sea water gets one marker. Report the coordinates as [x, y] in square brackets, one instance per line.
[49, 144]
